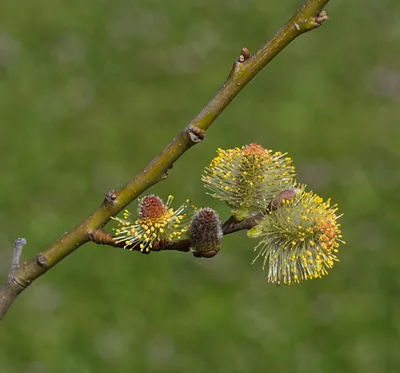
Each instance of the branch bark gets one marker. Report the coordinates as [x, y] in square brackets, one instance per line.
[309, 17]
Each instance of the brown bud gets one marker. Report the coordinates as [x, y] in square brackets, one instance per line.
[205, 233]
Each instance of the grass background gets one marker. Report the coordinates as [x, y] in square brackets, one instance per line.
[92, 90]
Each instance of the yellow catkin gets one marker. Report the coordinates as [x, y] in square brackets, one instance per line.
[156, 223]
[248, 178]
[299, 240]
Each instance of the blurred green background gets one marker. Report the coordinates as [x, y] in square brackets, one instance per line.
[92, 90]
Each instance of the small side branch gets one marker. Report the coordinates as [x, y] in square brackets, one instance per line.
[11, 286]
[18, 246]
[101, 237]
[232, 225]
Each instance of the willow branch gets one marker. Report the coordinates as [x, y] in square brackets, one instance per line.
[309, 17]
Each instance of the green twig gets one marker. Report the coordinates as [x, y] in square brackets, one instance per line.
[309, 17]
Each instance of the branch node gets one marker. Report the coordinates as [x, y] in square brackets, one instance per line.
[111, 197]
[12, 279]
[101, 237]
[42, 261]
[311, 23]
[196, 134]
[321, 17]
[244, 55]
